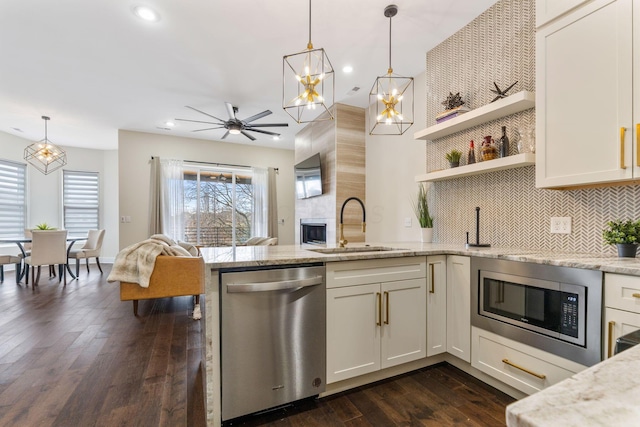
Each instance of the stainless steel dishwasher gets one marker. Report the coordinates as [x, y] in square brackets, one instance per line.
[272, 337]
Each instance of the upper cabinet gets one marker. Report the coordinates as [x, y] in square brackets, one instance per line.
[586, 107]
[547, 10]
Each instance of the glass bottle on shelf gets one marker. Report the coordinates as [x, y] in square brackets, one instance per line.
[471, 156]
[504, 143]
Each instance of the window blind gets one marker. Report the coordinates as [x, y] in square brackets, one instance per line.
[13, 211]
[81, 202]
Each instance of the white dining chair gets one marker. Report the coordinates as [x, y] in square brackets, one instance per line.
[91, 249]
[9, 259]
[47, 248]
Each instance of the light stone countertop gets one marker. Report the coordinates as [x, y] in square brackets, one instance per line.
[256, 256]
[606, 394]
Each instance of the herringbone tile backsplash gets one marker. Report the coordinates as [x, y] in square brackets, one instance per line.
[499, 46]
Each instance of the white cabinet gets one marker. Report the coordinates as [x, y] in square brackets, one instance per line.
[523, 367]
[436, 304]
[459, 306]
[373, 321]
[622, 312]
[585, 110]
[547, 10]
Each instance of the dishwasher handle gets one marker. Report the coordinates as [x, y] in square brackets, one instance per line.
[274, 286]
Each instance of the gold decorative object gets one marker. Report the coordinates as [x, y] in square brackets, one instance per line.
[44, 155]
[308, 83]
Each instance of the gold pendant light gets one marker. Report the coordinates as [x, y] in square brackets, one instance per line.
[44, 155]
[391, 97]
[308, 84]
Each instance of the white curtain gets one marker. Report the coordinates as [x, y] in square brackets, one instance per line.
[273, 203]
[172, 198]
[260, 217]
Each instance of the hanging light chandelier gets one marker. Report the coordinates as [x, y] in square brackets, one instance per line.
[44, 155]
[308, 84]
[391, 97]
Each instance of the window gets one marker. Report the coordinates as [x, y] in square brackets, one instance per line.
[13, 210]
[80, 202]
[218, 205]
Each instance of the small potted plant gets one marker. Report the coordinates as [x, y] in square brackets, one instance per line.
[625, 235]
[421, 209]
[453, 157]
[44, 226]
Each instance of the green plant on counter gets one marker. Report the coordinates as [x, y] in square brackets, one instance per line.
[44, 226]
[453, 156]
[619, 231]
[421, 208]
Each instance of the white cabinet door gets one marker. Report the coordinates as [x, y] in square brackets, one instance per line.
[436, 305]
[584, 96]
[353, 331]
[459, 306]
[547, 10]
[404, 321]
[617, 323]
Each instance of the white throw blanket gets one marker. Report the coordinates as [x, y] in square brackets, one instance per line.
[135, 263]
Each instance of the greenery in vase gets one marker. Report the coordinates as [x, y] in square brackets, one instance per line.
[421, 208]
[44, 226]
[453, 156]
[619, 231]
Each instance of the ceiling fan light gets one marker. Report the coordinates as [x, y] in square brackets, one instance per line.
[234, 131]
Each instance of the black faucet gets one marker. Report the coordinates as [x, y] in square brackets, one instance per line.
[344, 241]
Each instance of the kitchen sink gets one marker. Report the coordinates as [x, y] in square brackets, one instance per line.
[354, 249]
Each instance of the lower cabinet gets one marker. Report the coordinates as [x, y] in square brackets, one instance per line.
[459, 306]
[436, 304]
[622, 312]
[523, 367]
[372, 326]
[618, 323]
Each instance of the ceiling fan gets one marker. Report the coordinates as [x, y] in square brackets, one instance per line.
[236, 126]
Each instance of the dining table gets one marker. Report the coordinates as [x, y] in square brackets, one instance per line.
[19, 241]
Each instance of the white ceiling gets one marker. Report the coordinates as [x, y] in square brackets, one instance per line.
[94, 67]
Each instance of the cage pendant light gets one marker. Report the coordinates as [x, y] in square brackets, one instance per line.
[44, 155]
[308, 85]
[391, 97]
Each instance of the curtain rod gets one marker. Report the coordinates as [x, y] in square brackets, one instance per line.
[220, 164]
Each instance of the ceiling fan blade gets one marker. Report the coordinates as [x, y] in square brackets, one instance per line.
[199, 121]
[263, 131]
[232, 114]
[206, 114]
[269, 125]
[257, 116]
[226, 134]
[247, 135]
[200, 130]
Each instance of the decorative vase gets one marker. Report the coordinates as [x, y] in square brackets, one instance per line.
[427, 235]
[627, 250]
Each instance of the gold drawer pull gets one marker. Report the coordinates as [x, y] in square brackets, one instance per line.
[636, 295]
[386, 295]
[508, 362]
[610, 350]
[379, 303]
[622, 131]
[432, 288]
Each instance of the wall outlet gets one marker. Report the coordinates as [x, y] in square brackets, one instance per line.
[561, 224]
[407, 222]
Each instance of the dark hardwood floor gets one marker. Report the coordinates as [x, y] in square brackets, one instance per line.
[76, 356]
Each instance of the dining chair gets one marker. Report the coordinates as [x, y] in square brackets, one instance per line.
[9, 259]
[91, 249]
[47, 248]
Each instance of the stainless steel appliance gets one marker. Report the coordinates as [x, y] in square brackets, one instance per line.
[273, 333]
[556, 309]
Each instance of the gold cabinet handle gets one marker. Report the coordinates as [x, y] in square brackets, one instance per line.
[635, 295]
[610, 350]
[379, 302]
[508, 362]
[386, 296]
[432, 288]
[622, 132]
[638, 144]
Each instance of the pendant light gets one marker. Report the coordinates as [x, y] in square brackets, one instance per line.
[308, 84]
[391, 97]
[45, 155]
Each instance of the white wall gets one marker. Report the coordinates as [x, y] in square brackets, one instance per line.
[135, 150]
[44, 192]
[392, 164]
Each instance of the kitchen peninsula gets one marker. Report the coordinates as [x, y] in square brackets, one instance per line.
[246, 257]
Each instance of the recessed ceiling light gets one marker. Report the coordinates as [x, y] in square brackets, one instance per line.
[170, 124]
[347, 69]
[146, 13]
[275, 138]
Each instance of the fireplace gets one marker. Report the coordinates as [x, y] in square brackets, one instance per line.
[314, 233]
